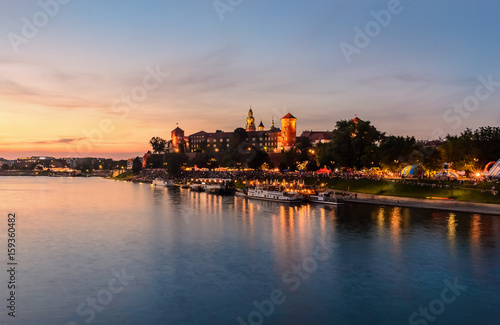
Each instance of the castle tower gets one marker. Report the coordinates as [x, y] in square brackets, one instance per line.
[288, 135]
[261, 126]
[177, 139]
[250, 121]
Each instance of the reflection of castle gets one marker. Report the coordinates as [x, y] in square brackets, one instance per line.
[272, 140]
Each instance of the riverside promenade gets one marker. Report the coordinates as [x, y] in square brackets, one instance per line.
[448, 205]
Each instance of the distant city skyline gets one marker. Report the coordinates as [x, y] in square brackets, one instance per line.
[99, 79]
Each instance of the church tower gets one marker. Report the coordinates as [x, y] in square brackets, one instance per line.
[261, 126]
[250, 121]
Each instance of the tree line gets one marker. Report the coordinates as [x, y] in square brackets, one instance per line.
[357, 144]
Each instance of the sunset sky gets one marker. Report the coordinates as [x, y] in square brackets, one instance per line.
[64, 74]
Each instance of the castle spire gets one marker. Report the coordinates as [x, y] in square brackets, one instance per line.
[250, 121]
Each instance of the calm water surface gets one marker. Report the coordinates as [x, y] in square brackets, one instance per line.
[111, 252]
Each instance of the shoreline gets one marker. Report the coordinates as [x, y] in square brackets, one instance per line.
[383, 200]
[407, 202]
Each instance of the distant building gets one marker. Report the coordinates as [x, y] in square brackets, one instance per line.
[145, 159]
[271, 141]
[39, 161]
[430, 143]
[218, 140]
[5, 162]
[316, 137]
[177, 139]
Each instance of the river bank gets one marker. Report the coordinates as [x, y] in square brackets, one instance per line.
[434, 204]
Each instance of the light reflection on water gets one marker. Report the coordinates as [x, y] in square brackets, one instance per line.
[204, 259]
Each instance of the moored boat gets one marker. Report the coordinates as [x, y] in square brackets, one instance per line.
[196, 187]
[161, 182]
[274, 195]
[170, 183]
[325, 198]
[217, 185]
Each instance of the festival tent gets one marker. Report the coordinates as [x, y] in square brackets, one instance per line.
[412, 171]
[447, 173]
[494, 171]
[324, 171]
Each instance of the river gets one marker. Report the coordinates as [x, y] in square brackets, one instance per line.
[97, 251]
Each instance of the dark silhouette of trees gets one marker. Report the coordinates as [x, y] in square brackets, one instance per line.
[354, 145]
[136, 165]
[158, 144]
[396, 152]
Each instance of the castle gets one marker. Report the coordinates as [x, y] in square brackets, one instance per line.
[273, 140]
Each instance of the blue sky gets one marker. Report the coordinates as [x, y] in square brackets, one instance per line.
[278, 56]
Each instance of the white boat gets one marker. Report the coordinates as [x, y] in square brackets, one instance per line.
[158, 182]
[325, 198]
[273, 195]
[217, 185]
[161, 182]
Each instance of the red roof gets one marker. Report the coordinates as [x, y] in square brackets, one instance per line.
[288, 116]
[177, 130]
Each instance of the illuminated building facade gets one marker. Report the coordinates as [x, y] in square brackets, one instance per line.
[271, 140]
[250, 121]
[288, 134]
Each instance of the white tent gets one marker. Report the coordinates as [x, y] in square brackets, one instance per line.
[447, 174]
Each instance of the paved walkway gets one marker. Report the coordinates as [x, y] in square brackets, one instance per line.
[448, 205]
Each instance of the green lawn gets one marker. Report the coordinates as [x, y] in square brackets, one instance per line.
[125, 175]
[386, 187]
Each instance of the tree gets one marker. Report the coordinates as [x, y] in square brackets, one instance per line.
[433, 160]
[472, 149]
[325, 155]
[174, 162]
[354, 144]
[239, 136]
[239, 151]
[486, 144]
[155, 161]
[136, 165]
[396, 152]
[303, 147]
[158, 144]
[290, 159]
[258, 158]
[459, 150]
[312, 166]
